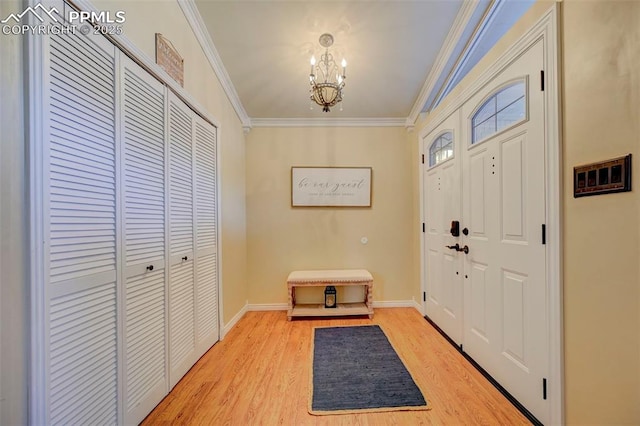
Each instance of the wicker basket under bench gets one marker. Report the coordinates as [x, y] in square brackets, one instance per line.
[334, 277]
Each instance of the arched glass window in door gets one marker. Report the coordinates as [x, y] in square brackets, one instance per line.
[503, 109]
[441, 149]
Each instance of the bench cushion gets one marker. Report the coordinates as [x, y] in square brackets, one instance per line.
[330, 275]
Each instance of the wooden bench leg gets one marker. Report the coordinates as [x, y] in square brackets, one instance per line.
[290, 301]
[369, 300]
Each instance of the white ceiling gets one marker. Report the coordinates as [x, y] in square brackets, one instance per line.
[400, 53]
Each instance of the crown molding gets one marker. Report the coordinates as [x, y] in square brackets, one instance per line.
[328, 122]
[460, 25]
[199, 28]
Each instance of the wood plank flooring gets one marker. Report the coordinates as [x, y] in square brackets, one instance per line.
[259, 375]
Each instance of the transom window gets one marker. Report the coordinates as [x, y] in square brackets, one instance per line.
[441, 149]
[505, 108]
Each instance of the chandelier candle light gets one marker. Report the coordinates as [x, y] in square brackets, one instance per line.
[328, 91]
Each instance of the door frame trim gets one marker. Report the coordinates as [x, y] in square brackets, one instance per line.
[545, 29]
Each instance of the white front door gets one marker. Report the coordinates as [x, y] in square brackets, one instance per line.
[443, 302]
[503, 198]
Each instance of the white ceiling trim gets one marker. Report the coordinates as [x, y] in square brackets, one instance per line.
[199, 28]
[453, 38]
[328, 122]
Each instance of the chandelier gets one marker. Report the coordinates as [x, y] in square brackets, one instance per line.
[326, 82]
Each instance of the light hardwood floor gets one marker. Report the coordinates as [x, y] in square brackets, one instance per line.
[259, 375]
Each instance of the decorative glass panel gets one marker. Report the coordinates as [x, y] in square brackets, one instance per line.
[441, 149]
[512, 113]
[486, 111]
[509, 95]
[503, 109]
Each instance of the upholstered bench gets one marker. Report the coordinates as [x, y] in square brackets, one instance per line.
[334, 277]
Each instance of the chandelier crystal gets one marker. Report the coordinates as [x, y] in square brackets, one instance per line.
[326, 82]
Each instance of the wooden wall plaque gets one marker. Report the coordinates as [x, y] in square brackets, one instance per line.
[169, 59]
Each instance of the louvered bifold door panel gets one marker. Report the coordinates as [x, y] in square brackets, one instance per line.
[143, 170]
[79, 211]
[206, 205]
[182, 338]
[207, 330]
[181, 179]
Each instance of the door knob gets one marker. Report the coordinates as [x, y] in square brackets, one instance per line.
[185, 258]
[457, 247]
[150, 268]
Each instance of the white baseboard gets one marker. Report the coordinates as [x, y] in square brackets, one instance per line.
[257, 307]
[393, 304]
[268, 307]
[419, 307]
[226, 328]
[379, 304]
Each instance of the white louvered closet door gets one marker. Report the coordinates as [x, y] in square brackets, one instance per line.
[143, 200]
[80, 233]
[124, 233]
[207, 330]
[182, 331]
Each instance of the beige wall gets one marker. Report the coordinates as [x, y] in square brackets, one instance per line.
[143, 20]
[601, 55]
[601, 239]
[282, 239]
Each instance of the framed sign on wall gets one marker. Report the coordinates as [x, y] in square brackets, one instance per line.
[331, 186]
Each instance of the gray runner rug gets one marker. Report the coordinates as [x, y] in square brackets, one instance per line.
[355, 369]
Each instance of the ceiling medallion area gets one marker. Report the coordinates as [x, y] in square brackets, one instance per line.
[326, 81]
